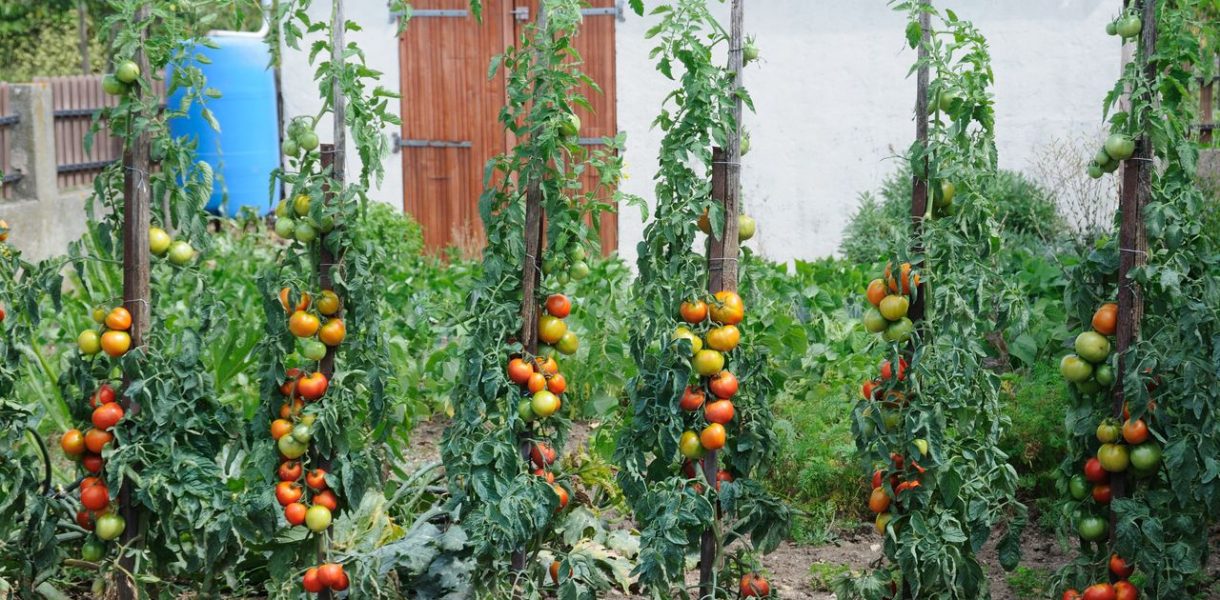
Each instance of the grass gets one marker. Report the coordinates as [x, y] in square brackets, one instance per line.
[1027, 582]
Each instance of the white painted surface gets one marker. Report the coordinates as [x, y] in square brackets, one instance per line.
[833, 98]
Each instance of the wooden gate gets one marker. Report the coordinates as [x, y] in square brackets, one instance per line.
[450, 108]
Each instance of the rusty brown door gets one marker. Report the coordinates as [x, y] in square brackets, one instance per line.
[450, 108]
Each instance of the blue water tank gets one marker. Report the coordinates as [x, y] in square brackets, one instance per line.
[246, 148]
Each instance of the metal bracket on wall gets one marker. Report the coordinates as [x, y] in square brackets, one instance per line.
[424, 13]
[522, 13]
[400, 143]
[10, 120]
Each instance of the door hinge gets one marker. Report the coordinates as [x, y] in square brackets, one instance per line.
[522, 13]
[424, 13]
[399, 142]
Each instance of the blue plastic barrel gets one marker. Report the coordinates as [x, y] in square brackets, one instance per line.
[246, 148]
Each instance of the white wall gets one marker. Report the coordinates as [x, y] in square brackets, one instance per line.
[834, 103]
[379, 40]
[833, 98]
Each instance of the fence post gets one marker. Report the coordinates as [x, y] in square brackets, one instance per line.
[32, 143]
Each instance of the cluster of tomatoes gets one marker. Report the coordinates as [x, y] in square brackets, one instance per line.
[293, 220]
[880, 500]
[114, 338]
[542, 456]
[1089, 368]
[888, 313]
[98, 513]
[1138, 456]
[1122, 589]
[314, 335]
[541, 382]
[161, 243]
[717, 323]
[329, 575]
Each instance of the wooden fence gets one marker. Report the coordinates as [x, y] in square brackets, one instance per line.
[75, 99]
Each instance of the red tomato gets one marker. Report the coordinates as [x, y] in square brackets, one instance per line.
[1093, 472]
[1100, 591]
[1120, 567]
[1124, 590]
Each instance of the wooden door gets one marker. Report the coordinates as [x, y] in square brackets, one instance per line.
[450, 109]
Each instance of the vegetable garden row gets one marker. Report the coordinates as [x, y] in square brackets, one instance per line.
[161, 489]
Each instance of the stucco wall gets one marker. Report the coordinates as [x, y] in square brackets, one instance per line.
[833, 98]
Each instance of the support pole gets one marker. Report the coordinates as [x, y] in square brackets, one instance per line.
[137, 211]
[722, 265]
[919, 176]
[1135, 191]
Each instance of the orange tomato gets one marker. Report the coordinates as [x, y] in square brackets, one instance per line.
[562, 492]
[905, 276]
[316, 479]
[116, 343]
[96, 440]
[557, 384]
[287, 492]
[692, 399]
[119, 319]
[519, 371]
[728, 309]
[295, 513]
[694, 311]
[720, 411]
[333, 332]
[1135, 431]
[536, 383]
[310, 581]
[547, 366]
[723, 338]
[558, 306]
[1105, 320]
[302, 304]
[313, 386]
[712, 437]
[303, 324]
[876, 292]
[280, 428]
[72, 442]
[879, 501]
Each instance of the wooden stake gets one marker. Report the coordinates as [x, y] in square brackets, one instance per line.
[919, 182]
[137, 217]
[1135, 191]
[722, 266]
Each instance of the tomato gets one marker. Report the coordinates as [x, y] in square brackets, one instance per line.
[1128, 26]
[546, 366]
[181, 253]
[1092, 528]
[542, 454]
[746, 225]
[1120, 567]
[294, 513]
[92, 550]
[88, 342]
[1104, 374]
[894, 307]
[303, 324]
[704, 223]
[95, 497]
[127, 72]
[287, 492]
[304, 232]
[326, 498]
[708, 362]
[116, 343]
[682, 333]
[562, 493]
[119, 319]
[1124, 590]
[1078, 487]
[109, 526]
[906, 485]
[692, 399]
[723, 338]
[557, 384]
[289, 470]
[887, 369]
[73, 443]
[754, 586]
[88, 482]
[723, 385]
[1092, 346]
[313, 349]
[1113, 457]
[712, 437]
[317, 518]
[558, 306]
[1145, 457]
[104, 395]
[1108, 432]
[316, 479]
[554, 569]
[690, 446]
[340, 582]
[723, 477]
[1105, 320]
[84, 519]
[1102, 493]
[879, 501]
[328, 303]
[302, 432]
[329, 573]
[905, 274]
[882, 521]
[291, 448]
[900, 331]
[310, 581]
[92, 463]
[112, 86]
[313, 386]
[333, 332]
[720, 411]
[536, 383]
[280, 428]
[1094, 473]
[1075, 369]
[1071, 594]
[519, 371]
[568, 344]
[873, 321]
[877, 477]
[547, 475]
[107, 416]
[869, 389]
[544, 403]
[1100, 591]
[1135, 431]
[921, 445]
[96, 440]
[728, 308]
[693, 311]
[876, 292]
[551, 329]
[948, 191]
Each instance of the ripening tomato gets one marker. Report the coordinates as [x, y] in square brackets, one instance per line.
[694, 311]
[712, 437]
[690, 446]
[301, 305]
[536, 383]
[1135, 431]
[728, 308]
[562, 493]
[303, 324]
[1105, 320]
[328, 303]
[119, 319]
[546, 366]
[1125, 590]
[280, 428]
[894, 307]
[882, 521]
[116, 343]
[313, 386]
[290, 470]
[724, 338]
[310, 581]
[544, 403]
[1120, 567]
[707, 362]
[692, 399]
[1114, 457]
[318, 518]
[723, 384]
[519, 371]
[287, 492]
[316, 479]
[107, 416]
[876, 292]
[96, 440]
[326, 498]
[887, 370]
[551, 329]
[720, 411]
[73, 443]
[557, 384]
[754, 586]
[542, 454]
[905, 275]
[558, 306]
[879, 501]
[295, 513]
[95, 497]
[333, 332]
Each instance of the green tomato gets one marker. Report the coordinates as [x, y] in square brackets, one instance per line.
[1110, 167]
[290, 148]
[291, 448]
[1113, 457]
[947, 99]
[1119, 147]
[1092, 528]
[873, 321]
[300, 205]
[525, 410]
[92, 550]
[1095, 171]
[1108, 432]
[285, 228]
[109, 527]
[181, 253]
[568, 344]
[313, 349]
[302, 433]
[112, 86]
[1093, 347]
[921, 445]
[892, 419]
[89, 342]
[576, 253]
[745, 142]
[127, 72]
[1145, 458]
[684, 333]
[304, 232]
[550, 265]
[579, 270]
[1111, 28]
[570, 126]
[746, 226]
[1074, 369]
[1128, 26]
[1078, 487]
[158, 241]
[307, 140]
[899, 331]
[318, 518]
[750, 52]
[1088, 386]
[1104, 375]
